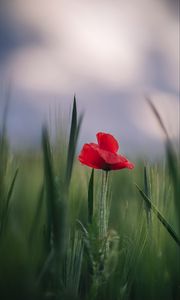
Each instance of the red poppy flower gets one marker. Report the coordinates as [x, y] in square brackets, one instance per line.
[104, 154]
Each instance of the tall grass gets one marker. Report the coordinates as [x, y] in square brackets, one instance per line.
[67, 232]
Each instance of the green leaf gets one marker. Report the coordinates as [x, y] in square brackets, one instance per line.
[72, 142]
[49, 177]
[51, 194]
[91, 197]
[74, 133]
[56, 208]
[163, 221]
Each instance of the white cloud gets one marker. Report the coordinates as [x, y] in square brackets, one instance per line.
[102, 41]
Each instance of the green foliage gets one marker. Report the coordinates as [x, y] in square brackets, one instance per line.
[73, 235]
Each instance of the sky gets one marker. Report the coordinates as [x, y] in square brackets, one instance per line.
[110, 53]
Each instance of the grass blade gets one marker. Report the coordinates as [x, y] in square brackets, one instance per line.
[91, 197]
[147, 192]
[172, 160]
[11, 188]
[37, 214]
[72, 142]
[49, 181]
[56, 209]
[158, 117]
[55, 205]
[74, 133]
[160, 217]
[9, 195]
[73, 264]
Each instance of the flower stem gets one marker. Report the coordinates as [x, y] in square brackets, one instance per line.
[103, 206]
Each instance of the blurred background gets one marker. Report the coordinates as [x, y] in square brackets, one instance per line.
[111, 54]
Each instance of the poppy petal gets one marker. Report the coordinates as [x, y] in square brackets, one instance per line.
[110, 157]
[89, 156]
[107, 142]
[114, 161]
[122, 165]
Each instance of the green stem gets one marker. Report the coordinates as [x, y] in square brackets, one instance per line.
[102, 209]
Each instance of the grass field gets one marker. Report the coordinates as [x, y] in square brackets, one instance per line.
[51, 207]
